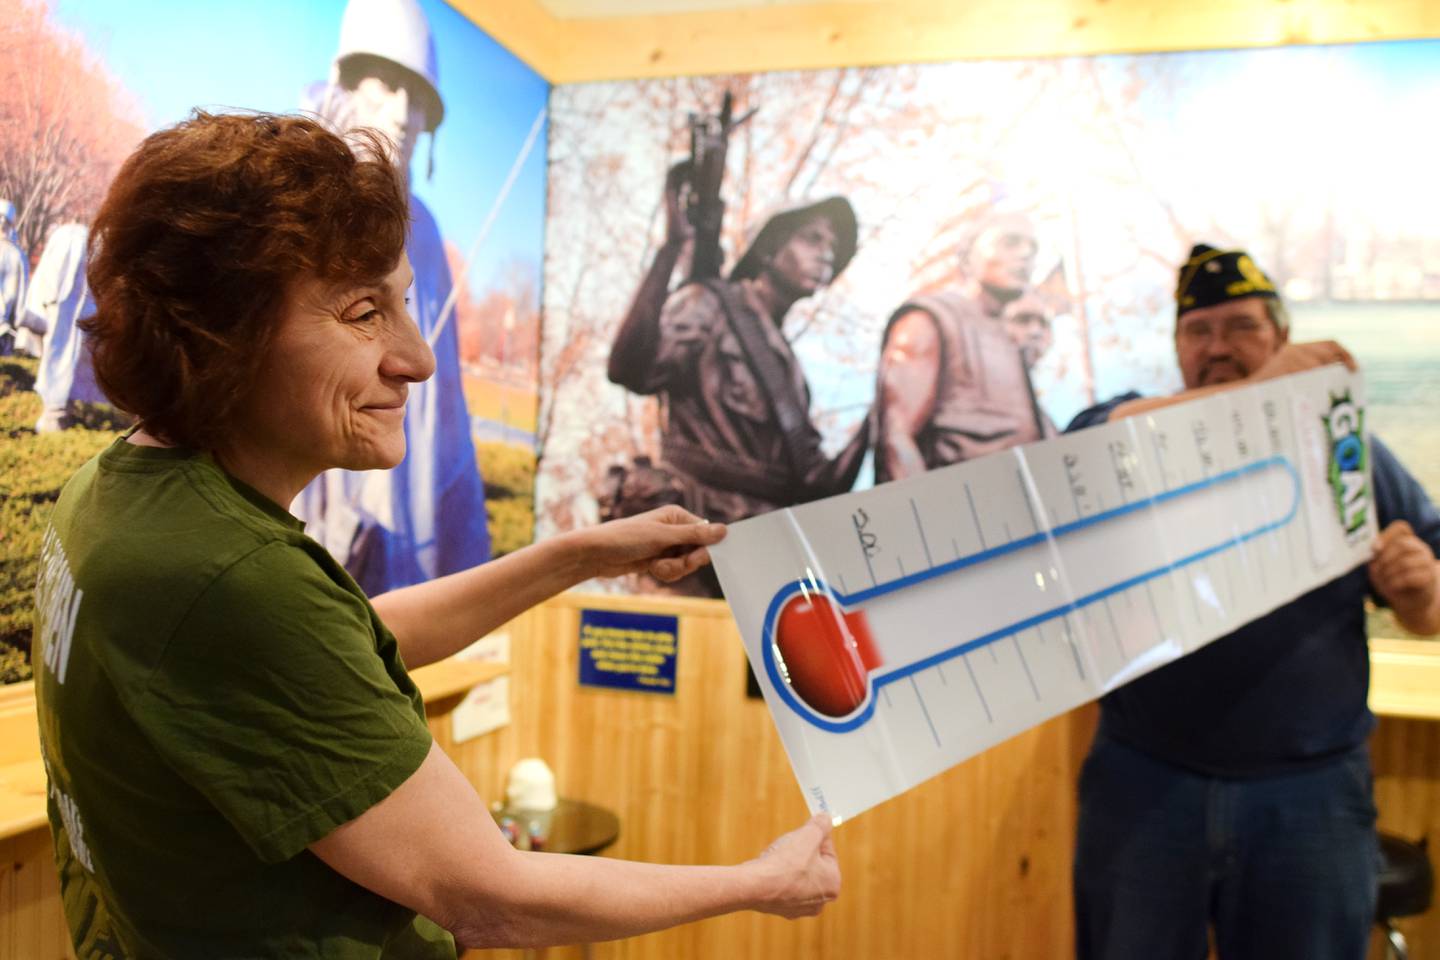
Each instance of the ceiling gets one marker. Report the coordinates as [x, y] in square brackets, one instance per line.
[591, 9]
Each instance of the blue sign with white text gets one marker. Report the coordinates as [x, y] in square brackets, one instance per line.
[628, 651]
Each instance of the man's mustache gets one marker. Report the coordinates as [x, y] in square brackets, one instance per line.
[1211, 365]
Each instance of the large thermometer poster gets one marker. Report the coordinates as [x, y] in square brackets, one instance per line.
[898, 631]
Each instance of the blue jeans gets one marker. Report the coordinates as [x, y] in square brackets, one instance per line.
[1281, 866]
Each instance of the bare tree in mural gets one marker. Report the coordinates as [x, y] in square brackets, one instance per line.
[65, 123]
[1110, 107]
[498, 326]
[606, 244]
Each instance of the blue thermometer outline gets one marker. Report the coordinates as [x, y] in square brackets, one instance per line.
[851, 600]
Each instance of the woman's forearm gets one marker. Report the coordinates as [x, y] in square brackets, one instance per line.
[432, 846]
[434, 620]
[547, 899]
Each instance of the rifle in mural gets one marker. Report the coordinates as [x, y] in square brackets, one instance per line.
[709, 144]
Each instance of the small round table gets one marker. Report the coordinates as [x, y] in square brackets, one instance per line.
[572, 827]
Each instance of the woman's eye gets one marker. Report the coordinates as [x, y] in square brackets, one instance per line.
[360, 312]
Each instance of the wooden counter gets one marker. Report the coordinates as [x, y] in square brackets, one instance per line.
[22, 797]
[1405, 678]
[22, 774]
[451, 678]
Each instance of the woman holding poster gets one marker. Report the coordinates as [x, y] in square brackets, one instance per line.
[239, 763]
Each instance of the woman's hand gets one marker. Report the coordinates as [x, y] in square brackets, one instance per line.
[802, 870]
[669, 543]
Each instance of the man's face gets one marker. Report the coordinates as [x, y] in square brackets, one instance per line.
[1027, 324]
[1003, 256]
[806, 261]
[385, 100]
[1226, 342]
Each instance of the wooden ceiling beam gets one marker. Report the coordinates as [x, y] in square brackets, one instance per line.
[823, 35]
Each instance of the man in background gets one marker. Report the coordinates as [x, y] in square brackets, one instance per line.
[425, 518]
[952, 384]
[1231, 789]
[1027, 321]
[56, 302]
[14, 272]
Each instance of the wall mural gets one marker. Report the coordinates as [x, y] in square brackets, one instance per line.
[766, 289]
[82, 81]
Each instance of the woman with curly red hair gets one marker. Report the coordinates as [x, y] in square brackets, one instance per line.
[239, 763]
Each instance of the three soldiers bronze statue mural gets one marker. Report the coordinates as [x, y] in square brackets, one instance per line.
[737, 438]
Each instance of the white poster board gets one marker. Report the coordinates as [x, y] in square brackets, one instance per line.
[900, 630]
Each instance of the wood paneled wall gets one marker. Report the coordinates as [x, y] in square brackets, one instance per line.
[1405, 756]
[32, 924]
[973, 864]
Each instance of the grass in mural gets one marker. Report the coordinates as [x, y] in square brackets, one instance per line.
[508, 469]
[34, 467]
[509, 472]
[513, 406]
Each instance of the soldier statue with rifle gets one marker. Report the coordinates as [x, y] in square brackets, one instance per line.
[737, 439]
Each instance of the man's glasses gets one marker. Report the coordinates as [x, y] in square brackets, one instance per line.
[1232, 329]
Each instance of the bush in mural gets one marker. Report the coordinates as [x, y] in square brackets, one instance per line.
[33, 468]
[509, 472]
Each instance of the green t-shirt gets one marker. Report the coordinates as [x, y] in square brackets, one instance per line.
[215, 694]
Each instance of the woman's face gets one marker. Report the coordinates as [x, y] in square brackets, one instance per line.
[332, 389]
